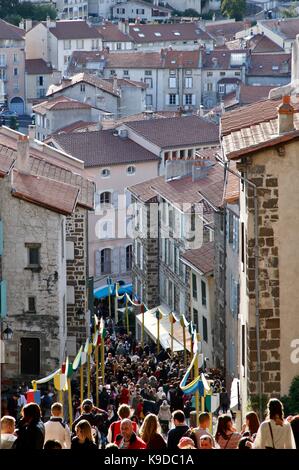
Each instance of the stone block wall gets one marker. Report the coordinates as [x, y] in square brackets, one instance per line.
[269, 299]
[77, 274]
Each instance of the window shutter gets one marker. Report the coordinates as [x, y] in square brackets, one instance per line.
[3, 299]
[1, 238]
[115, 199]
[167, 100]
[123, 264]
[193, 99]
[184, 100]
[98, 263]
[115, 260]
[135, 252]
[128, 198]
[141, 256]
[177, 100]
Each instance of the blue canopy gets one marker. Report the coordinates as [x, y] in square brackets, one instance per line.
[103, 292]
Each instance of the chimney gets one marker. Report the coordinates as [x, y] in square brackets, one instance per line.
[31, 133]
[28, 25]
[22, 24]
[285, 115]
[23, 153]
[114, 85]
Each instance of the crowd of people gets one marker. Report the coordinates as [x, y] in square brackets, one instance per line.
[141, 406]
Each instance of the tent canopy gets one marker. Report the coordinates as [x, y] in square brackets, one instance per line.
[103, 292]
[150, 327]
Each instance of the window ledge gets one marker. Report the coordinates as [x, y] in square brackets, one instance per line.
[34, 269]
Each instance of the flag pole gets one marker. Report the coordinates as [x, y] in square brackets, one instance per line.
[127, 315]
[69, 391]
[81, 383]
[195, 377]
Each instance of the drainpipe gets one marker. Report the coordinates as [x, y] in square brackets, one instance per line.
[256, 275]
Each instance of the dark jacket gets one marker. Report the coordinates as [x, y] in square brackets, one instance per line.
[175, 435]
[95, 419]
[88, 445]
[30, 436]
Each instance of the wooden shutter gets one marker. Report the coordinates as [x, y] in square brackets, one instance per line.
[3, 299]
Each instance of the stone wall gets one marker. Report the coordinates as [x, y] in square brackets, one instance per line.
[268, 216]
[77, 275]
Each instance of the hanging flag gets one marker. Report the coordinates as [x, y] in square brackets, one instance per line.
[77, 359]
[95, 339]
[60, 382]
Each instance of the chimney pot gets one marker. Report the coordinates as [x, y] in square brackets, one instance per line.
[285, 115]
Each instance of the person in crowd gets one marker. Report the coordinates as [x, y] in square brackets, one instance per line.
[203, 428]
[295, 428]
[84, 439]
[52, 444]
[123, 412]
[95, 416]
[186, 443]
[174, 435]
[31, 429]
[274, 432]
[164, 416]
[7, 432]
[150, 433]
[224, 400]
[226, 435]
[251, 424]
[206, 441]
[56, 428]
[128, 439]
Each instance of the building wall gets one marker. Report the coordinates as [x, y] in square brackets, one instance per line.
[72, 9]
[28, 223]
[51, 121]
[36, 43]
[131, 10]
[268, 81]
[14, 58]
[66, 48]
[274, 175]
[219, 325]
[101, 8]
[77, 277]
[132, 100]
[116, 183]
[178, 5]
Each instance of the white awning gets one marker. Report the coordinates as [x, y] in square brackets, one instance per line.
[150, 327]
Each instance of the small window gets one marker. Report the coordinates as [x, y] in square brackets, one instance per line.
[33, 255]
[195, 317]
[221, 88]
[31, 304]
[105, 173]
[82, 87]
[105, 198]
[131, 170]
[205, 329]
[112, 72]
[41, 80]
[194, 286]
[222, 74]
[16, 71]
[148, 72]
[126, 73]
[129, 257]
[203, 293]
[210, 74]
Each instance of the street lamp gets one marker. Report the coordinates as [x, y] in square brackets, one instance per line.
[7, 334]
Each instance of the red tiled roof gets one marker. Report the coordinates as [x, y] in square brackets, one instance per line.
[9, 31]
[231, 192]
[177, 132]
[260, 43]
[74, 29]
[123, 82]
[142, 33]
[261, 111]
[59, 103]
[251, 94]
[220, 58]
[227, 30]
[100, 83]
[287, 28]
[51, 194]
[255, 137]
[98, 148]
[37, 66]
[202, 258]
[112, 33]
[78, 126]
[270, 65]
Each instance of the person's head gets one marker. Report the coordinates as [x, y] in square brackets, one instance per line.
[57, 410]
[111, 446]
[252, 422]
[124, 411]
[52, 444]
[86, 406]
[83, 431]
[245, 443]
[275, 409]
[8, 425]
[205, 442]
[31, 412]
[204, 420]
[224, 426]
[126, 428]
[178, 417]
[186, 443]
[149, 427]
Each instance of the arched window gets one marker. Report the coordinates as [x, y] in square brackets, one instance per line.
[106, 267]
[129, 257]
[131, 170]
[105, 197]
[105, 173]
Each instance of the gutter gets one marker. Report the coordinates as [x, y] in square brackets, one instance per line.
[256, 274]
